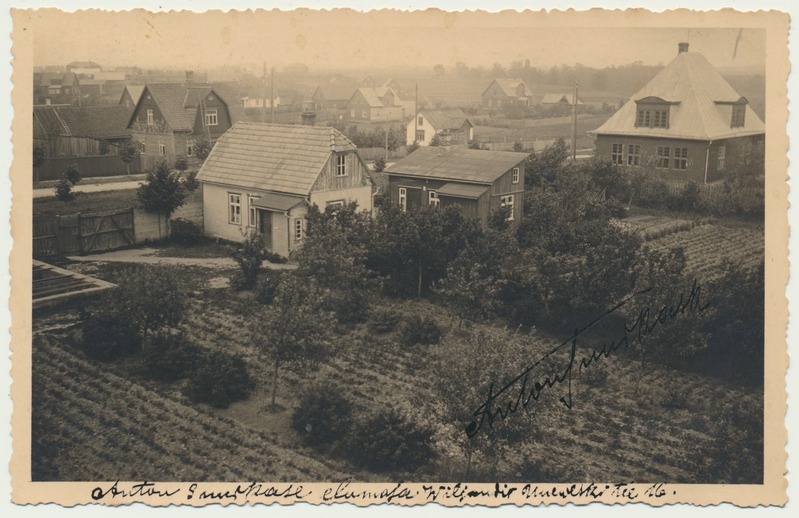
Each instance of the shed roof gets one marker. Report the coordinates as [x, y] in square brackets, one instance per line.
[462, 190]
[508, 86]
[694, 89]
[457, 163]
[281, 158]
[100, 122]
[278, 202]
[445, 119]
[555, 98]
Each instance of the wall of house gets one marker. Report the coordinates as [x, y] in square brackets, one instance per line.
[362, 195]
[359, 108]
[357, 176]
[152, 155]
[410, 131]
[494, 97]
[147, 102]
[504, 186]
[212, 101]
[386, 113]
[215, 212]
[697, 154]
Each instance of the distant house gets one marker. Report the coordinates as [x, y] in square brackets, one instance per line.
[477, 181]
[687, 122]
[263, 178]
[131, 95]
[375, 105]
[452, 126]
[56, 88]
[72, 131]
[560, 99]
[171, 118]
[505, 92]
[333, 96]
[84, 68]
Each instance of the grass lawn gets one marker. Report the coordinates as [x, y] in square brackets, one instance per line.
[206, 248]
[86, 202]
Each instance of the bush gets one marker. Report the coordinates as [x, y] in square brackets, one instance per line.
[105, 336]
[267, 287]
[388, 441]
[185, 232]
[420, 330]
[63, 191]
[323, 416]
[168, 357]
[218, 379]
[181, 164]
[275, 258]
[190, 182]
[383, 320]
[73, 174]
[148, 299]
[249, 255]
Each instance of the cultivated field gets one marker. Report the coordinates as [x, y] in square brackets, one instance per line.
[630, 421]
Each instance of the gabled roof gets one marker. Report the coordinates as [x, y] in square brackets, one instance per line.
[134, 91]
[336, 91]
[556, 98]
[508, 86]
[699, 99]
[281, 158]
[178, 102]
[374, 96]
[99, 122]
[445, 119]
[457, 163]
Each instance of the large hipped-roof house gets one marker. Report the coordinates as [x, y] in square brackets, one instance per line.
[452, 127]
[263, 177]
[687, 122]
[170, 118]
[477, 181]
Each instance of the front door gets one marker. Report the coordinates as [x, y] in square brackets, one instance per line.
[265, 227]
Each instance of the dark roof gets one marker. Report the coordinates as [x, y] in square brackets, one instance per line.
[508, 86]
[281, 158]
[99, 122]
[134, 91]
[457, 163]
[58, 78]
[178, 102]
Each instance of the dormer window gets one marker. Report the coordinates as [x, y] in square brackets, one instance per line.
[737, 112]
[652, 112]
[341, 165]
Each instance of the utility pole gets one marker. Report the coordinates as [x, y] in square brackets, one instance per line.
[416, 113]
[263, 95]
[574, 123]
[273, 95]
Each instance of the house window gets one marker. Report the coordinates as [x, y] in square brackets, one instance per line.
[420, 121]
[661, 119]
[515, 175]
[234, 208]
[190, 148]
[643, 118]
[54, 90]
[211, 118]
[432, 198]
[617, 154]
[403, 199]
[253, 213]
[664, 153]
[681, 158]
[722, 158]
[150, 117]
[336, 204]
[298, 229]
[738, 115]
[507, 201]
[363, 114]
[341, 165]
[161, 148]
[419, 135]
[634, 154]
[142, 148]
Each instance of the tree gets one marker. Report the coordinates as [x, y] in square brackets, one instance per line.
[128, 153]
[436, 140]
[162, 192]
[39, 155]
[181, 164]
[249, 255]
[294, 329]
[546, 164]
[380, 165]
[73, 174]
[410, 148]
[203, 148]
[63, 191]
[149, 298]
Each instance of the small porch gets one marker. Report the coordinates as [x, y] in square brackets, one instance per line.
[280, 219]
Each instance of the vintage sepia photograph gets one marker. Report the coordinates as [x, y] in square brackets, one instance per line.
[286, 248]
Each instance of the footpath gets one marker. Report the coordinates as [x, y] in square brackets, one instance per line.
[150, 256]
[99, 184]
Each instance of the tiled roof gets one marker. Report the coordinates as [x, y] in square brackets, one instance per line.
[444, 119]
[694, 88]
[462, 190]
[135, 92]
[372, 97]
[100, 122]
[457, 163]
[178, 102]
[281, 158]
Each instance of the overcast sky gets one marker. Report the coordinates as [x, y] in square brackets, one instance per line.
[355, 40]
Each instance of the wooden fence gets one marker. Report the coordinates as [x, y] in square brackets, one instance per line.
[104, 231]
[708, 193]
[103, 165]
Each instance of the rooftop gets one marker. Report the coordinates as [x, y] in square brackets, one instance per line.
[457, 163]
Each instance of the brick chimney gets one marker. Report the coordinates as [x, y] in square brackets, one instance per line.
[682, 47]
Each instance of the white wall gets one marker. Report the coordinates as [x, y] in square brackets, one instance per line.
[215, 212]
[363, 195]
[410, 131]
